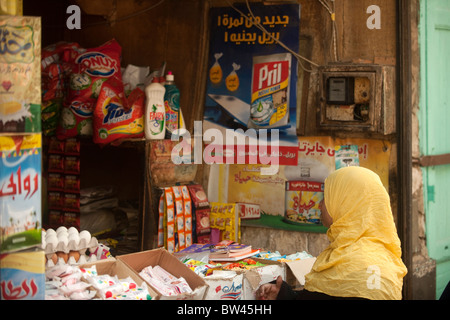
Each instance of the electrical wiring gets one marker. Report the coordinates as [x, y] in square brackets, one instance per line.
[332, 12]
[131, 15]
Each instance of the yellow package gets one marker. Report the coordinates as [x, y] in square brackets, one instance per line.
[11, 7]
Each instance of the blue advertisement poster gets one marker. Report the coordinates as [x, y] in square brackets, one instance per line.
[252, 79]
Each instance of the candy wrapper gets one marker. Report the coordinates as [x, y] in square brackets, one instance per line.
[73, 283]
[166, 283]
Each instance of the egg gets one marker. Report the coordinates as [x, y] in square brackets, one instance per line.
[50, 232]
[85, 238]
[85, 235]
[72, 230]
[63, 237]
[63, 255]
[54, 258]
[75, 255]
[73, 237]
[73, 241]
[61, 229]
[51, 241]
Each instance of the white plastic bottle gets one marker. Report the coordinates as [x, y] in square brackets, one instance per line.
[155, 114]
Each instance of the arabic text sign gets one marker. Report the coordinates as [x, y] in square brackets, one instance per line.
[20, 192]
[235, 43]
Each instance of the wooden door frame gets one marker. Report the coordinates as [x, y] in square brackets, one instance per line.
[404, 136]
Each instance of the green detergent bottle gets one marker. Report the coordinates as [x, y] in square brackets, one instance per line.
[172, 105]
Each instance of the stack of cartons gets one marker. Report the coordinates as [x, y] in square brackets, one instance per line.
[161, 257]
[22, 261]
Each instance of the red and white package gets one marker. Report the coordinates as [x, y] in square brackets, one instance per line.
[92, 68]
[56, 64]
[57, 53]
[117, 117]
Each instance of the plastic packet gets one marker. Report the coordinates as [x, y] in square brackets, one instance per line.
[136, 294]
[103, 281]
[71, 279]
[83, 295]
[89, 272]
[162, 274]
[59, 271]
[128, 284]
[68, 290]
[111, 291]
[181, 286]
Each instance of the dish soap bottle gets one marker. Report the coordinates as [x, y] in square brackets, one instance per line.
[172, 105]
[155, 114]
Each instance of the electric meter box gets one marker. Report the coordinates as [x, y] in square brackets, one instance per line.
[357, 98]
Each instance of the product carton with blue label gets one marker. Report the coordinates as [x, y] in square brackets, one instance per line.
[22, 275]
[20, 192]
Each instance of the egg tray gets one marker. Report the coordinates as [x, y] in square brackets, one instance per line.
[68, 246]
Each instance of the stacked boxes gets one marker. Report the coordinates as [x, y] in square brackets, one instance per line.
[175, 224]
[63, 182]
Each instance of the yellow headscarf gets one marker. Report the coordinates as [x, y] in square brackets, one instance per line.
[364, 255]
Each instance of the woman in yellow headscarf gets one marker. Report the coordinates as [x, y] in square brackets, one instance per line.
[363, 259]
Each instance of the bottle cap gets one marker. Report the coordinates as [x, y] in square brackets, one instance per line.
[169, 76]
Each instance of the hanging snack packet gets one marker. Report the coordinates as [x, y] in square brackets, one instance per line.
[270, 91]
[179, 217]
[187, 215]
[170, 220]
[55, 71]
[92, 68]
[161, 221]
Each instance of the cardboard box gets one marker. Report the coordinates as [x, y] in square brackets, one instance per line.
[293, 272]
[139, 260]
[242, 284]
[225, 285]
[297, 270]
[20, 192]
[22, 275]
[114, 267]
[302, 202]
[20, 62]
[255, 277]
